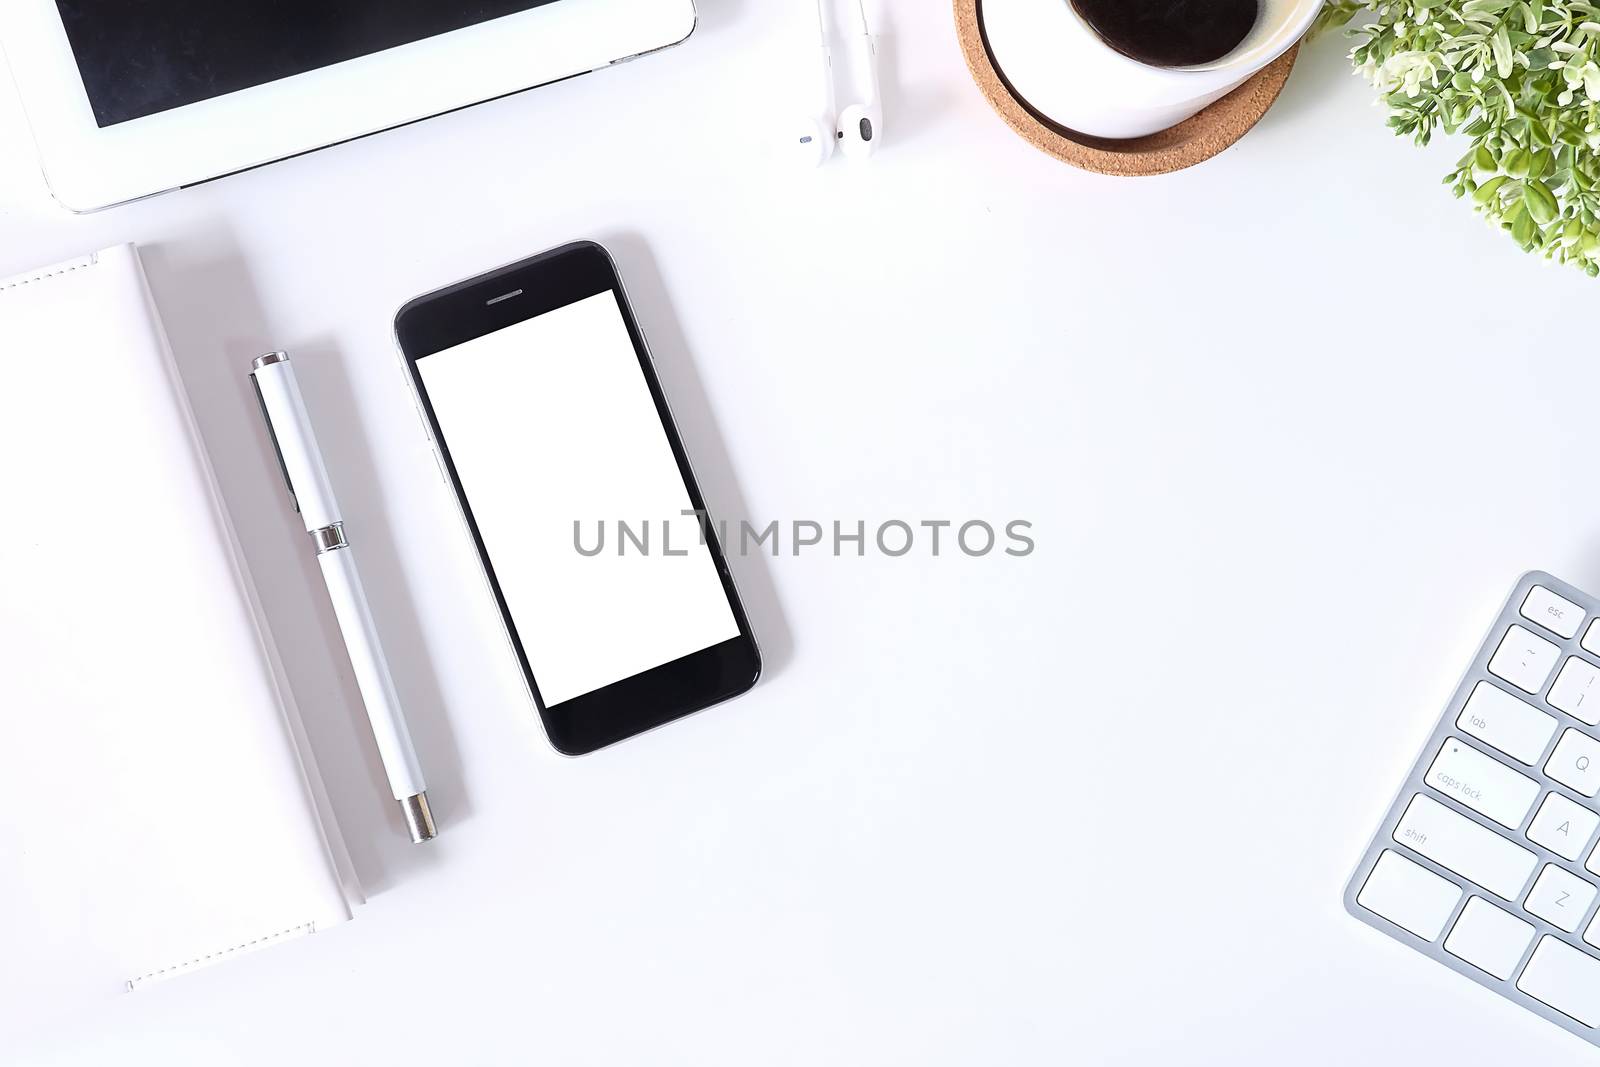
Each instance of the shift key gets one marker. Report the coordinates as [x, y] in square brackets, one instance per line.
[1458, 844]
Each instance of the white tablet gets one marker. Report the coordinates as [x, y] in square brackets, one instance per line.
[128, 98]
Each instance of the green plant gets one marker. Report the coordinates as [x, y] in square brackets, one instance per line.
[1520, 81]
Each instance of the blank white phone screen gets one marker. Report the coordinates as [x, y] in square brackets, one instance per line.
[556, 441]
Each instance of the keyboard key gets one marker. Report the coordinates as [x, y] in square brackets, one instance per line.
[1560, 899]
[1483, 784]
[1576, 762]
[1524, 659]
[1504, 722]
[1592, 935]
[1458, 844]
[1409, 895]
[1563, 827]
[1593, 866]
[1576, 691]
[1553, 612]
[1591, 638]
[1490, 939]
[1564, 978]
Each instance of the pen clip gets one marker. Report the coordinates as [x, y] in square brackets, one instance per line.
[272, 435]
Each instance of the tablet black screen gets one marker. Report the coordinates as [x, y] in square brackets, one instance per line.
[138, 57]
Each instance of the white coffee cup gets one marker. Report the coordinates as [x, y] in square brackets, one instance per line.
[1061, 68]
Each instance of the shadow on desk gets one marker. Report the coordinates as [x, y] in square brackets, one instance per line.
[207, 300]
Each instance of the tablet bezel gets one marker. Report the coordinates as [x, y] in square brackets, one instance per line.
[88, 167]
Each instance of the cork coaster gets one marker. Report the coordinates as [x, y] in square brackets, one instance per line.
[1194, 140]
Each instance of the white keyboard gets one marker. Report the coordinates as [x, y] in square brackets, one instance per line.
[1487, 861]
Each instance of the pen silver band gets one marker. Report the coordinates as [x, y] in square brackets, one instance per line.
[329, 538]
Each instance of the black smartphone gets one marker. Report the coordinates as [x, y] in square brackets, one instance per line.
[548, 421]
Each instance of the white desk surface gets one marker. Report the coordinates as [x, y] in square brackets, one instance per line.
[1288, 427]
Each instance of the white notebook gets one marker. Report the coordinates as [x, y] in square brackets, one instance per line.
[158, 809]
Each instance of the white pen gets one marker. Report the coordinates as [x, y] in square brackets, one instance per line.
[311, 492]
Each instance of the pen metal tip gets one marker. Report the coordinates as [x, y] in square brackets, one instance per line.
[419, 820]
[268, 360]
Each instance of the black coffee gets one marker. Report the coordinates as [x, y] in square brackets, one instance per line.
[1171, 33]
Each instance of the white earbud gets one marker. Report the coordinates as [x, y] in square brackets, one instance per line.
[814, 136]
[861, 125]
